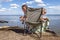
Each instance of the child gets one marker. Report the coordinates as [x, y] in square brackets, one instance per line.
[45, 20]
[22, 18]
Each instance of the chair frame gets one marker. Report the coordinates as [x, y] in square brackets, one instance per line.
[32, 32]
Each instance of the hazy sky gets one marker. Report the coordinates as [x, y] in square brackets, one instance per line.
[13, 7]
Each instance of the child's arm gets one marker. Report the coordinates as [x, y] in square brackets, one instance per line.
[41, 19]
[21, 18]
[46, 19]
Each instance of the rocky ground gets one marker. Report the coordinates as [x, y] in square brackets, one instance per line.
[18, 35]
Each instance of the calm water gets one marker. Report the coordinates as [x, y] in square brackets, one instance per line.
[15, 21]
[55, 23]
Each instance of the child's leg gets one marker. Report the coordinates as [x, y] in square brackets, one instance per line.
[46, 25]
[43, 27]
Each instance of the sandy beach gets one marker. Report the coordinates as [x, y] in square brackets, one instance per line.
[17, 34]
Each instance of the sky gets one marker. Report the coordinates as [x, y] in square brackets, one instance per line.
[13, 7]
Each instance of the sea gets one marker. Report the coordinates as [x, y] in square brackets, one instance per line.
[14, 20]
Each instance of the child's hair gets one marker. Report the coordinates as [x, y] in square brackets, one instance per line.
[42, 10]
[24, 6]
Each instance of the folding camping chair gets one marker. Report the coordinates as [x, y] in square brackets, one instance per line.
[33, 19]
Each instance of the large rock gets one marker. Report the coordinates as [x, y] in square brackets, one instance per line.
[2, 21]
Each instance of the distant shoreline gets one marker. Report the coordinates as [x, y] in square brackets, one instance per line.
[10, 15]
[52, 14]
[22, 15]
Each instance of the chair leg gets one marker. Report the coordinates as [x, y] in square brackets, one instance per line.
[40, 32]
[29, 30]
[24, 30]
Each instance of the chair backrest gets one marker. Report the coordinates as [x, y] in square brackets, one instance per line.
[33, 14]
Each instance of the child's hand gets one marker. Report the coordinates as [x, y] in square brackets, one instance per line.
[22, 18]
[45, 18]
